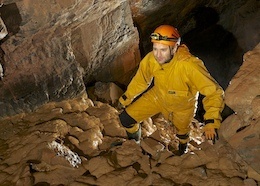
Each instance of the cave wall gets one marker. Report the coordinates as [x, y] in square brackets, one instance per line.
[53, 49]
[239, 17]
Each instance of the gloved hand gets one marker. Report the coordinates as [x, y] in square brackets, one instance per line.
[119, 106]
[211, 134]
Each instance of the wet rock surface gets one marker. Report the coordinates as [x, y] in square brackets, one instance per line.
[69, 143]
[54, 48]
[29, 156]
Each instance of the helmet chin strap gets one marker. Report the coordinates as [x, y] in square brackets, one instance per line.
[174, 49]
[176, 45]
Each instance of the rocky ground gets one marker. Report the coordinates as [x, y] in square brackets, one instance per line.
[69, 143]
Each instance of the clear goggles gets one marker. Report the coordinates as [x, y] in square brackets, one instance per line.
[158, 37]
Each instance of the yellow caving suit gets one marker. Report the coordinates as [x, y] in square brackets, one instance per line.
[175, 90]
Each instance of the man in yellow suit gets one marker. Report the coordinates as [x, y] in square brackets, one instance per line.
[177, 77]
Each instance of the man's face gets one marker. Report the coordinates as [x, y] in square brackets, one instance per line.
[162, 53]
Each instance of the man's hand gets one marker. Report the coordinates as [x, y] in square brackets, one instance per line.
[119, 106]
[211, 134]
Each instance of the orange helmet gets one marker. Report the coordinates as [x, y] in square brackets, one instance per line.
[165, 34]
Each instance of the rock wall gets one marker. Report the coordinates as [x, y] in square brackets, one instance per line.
[236, 16]
[54, 48]
[242, 129]
[243, 93]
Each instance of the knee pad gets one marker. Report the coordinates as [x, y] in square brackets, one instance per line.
[126, 120]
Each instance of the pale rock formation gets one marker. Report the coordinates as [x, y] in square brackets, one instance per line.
[86, 129]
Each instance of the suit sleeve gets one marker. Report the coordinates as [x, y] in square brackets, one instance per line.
[213, 102]
[139, 83]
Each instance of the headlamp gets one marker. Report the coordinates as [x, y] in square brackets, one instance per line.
[158, 37]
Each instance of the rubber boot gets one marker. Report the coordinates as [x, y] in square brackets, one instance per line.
[182, 148]
[183, 140]
[136, 136]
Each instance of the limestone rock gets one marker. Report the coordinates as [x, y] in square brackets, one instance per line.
[108, 92]
[99, 166]
[152, 147]
[231, 126]
[102, 164]
[242, 90]
[247, 144]
[127, 154]
[52, 51]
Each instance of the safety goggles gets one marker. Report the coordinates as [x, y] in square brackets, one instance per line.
[158, 37]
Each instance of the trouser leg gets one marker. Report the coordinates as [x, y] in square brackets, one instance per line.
[135, 113]
[181, 121]
[133, 129]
